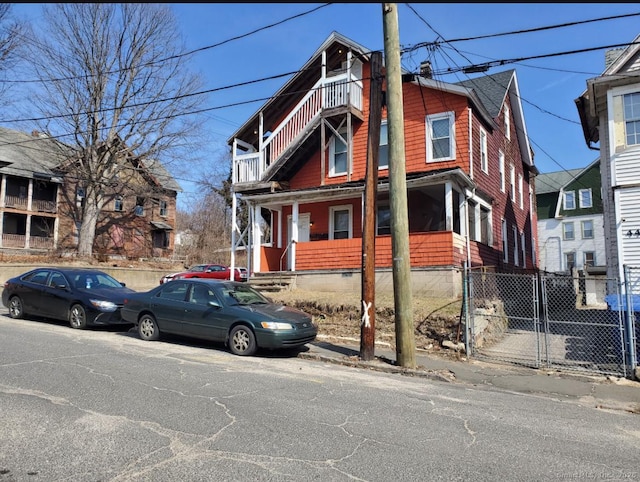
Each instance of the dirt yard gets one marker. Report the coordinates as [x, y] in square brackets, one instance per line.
[338, 316]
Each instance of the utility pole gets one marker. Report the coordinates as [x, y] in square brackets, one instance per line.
[405, 336]
[368, 323]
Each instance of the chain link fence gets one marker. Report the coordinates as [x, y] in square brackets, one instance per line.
[577, 323]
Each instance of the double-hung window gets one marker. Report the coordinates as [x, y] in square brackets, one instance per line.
[568, 233]
[587, 229]
[484, 157]
[163, 208]
[585, 198]
[507, 122]
[505, 243]
[501, 169]
[520, 193]
[340, 226]
[338, 154]
[513, 182]
[383, 152]
[118, 204]
[441, 143]
[632, 117]
[383, 221]
[569, 200]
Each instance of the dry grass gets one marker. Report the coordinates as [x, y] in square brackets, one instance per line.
[339, 315]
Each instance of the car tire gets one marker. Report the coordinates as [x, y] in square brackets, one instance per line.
[242, 341]
[148, 328]
[16, 310]
[78, 317]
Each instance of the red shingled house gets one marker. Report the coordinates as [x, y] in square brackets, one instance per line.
[299, 163]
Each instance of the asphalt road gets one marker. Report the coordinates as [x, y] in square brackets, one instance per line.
[102, 405]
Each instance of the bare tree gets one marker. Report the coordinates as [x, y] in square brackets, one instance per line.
[11, 41]
[116, 81]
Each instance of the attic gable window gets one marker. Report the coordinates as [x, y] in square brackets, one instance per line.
[585, 198]
[632, 117]
[139, 209]
[569, 200]
[507, 122]
[441, 141]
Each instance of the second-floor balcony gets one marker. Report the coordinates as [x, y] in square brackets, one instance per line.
[333, 92]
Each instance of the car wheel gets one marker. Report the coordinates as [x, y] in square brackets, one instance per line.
[148, 328]
[242, 341]
[78, 317]
[15, 307]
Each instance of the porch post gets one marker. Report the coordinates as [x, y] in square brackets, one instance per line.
[233, 233]
[255, 237]
[262, 157]
[280, 228]
[30, 195]
[294, 234]
[448, 203]
[3, 189]
[55, 232]
[27, 231]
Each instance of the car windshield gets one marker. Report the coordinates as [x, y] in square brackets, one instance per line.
[94, 280]
[243, 295]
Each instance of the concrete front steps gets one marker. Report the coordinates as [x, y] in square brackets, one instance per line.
[273, 281]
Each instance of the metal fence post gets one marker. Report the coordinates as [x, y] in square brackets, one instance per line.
[629, 320]
[467, 318]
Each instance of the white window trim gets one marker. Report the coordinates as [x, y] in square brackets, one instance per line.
[582, 228]
[523, 249]
[564, 200]
[332, 155]
[452, 136]
[520, 193]
[507, 122]
[384, 168]
[484, 159]
[344, 207]
[611, 93]
[512, 185]
[580, 197]
[505, 242]
[516, 253]
[503, 174]
[564, 232]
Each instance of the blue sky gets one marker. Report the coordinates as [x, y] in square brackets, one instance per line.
[548, 86]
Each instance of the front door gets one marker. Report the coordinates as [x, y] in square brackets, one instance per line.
[304, 220]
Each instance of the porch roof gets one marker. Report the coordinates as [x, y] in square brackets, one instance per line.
[350, 189]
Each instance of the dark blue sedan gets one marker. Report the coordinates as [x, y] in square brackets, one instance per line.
[224, 311]
[81, 296]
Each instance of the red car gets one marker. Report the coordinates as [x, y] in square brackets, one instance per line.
[215, 271]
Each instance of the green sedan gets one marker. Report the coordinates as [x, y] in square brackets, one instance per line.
[216, 310]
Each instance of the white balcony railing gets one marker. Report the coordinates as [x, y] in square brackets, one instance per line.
[327, 93]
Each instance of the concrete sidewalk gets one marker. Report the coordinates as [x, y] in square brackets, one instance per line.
[596, 391]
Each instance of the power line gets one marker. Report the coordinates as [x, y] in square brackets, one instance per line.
[529, 30]
[177, 56]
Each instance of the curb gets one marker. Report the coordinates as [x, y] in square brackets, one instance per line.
[382, 365]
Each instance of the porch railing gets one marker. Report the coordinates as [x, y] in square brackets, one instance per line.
[40, 242]
[13, 240]
[327, 93]
[15, 202]
[44, 206]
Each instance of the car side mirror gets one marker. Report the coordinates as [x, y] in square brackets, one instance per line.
[123, 284]
[60, 286]
[214, 303]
